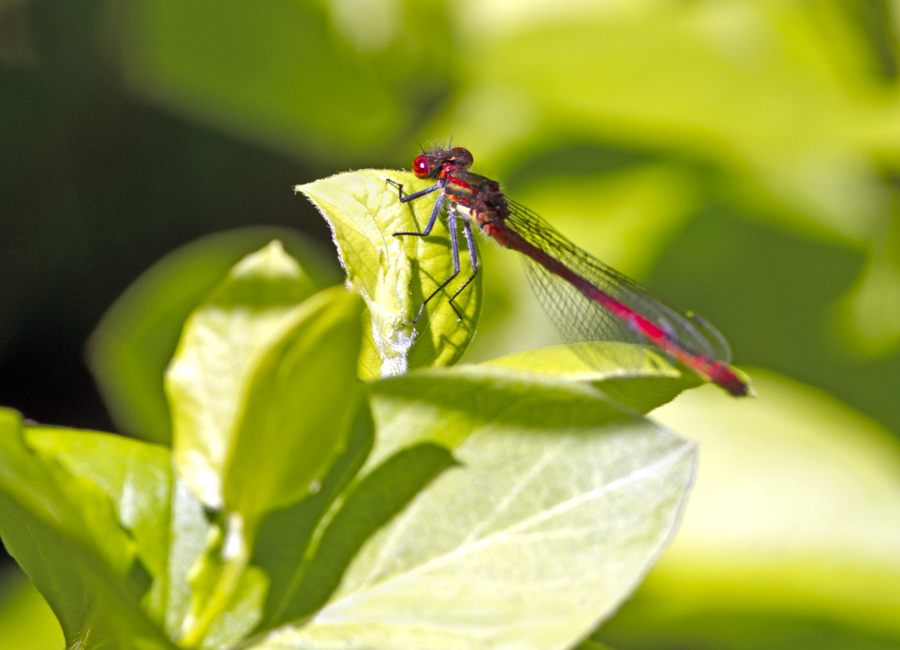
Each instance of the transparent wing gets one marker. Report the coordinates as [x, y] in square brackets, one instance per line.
[579, 318]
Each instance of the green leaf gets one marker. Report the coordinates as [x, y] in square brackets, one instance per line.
[634, 376]
[137, 337]
[550, 509]
[223, 341]
[211, 597]
[300, 405]
[137, 479]
[395, 274]
[297, 585]
[265, 393]
[63, 531]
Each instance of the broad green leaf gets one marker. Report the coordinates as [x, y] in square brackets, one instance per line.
[300, 405]
[266, 390]
[137, 337]
[795, 519]
[638, 378]
[543, 505]
[395, 274]
[62, 529]
[47, 491]
[298, 586]
[135, 476]
[223, 341]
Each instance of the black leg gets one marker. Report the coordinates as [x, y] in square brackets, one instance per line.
[454, 249]
[411, 197]
[454, 243]
[473, 256]
[431, 221]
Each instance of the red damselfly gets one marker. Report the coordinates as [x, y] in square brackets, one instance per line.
[586, 299]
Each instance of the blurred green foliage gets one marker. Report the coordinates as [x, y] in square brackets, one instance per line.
[739, 156]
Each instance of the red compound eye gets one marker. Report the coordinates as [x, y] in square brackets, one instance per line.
[420, 167]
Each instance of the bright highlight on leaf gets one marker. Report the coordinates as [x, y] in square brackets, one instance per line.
[135, 340]
[549, 511]
[222, 344]
[394, 275]
[638, 378]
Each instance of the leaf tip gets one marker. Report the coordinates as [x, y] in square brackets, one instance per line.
[272, 259]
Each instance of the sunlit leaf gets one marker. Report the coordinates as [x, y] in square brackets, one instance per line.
[264, 390]
[553, 504]
[645, 383]
[63, 531]
[137, 337]
[299, 410]
[396, 274]
[137, 479]
[222, 344]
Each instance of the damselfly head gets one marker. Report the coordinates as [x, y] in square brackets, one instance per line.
[432, 164]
